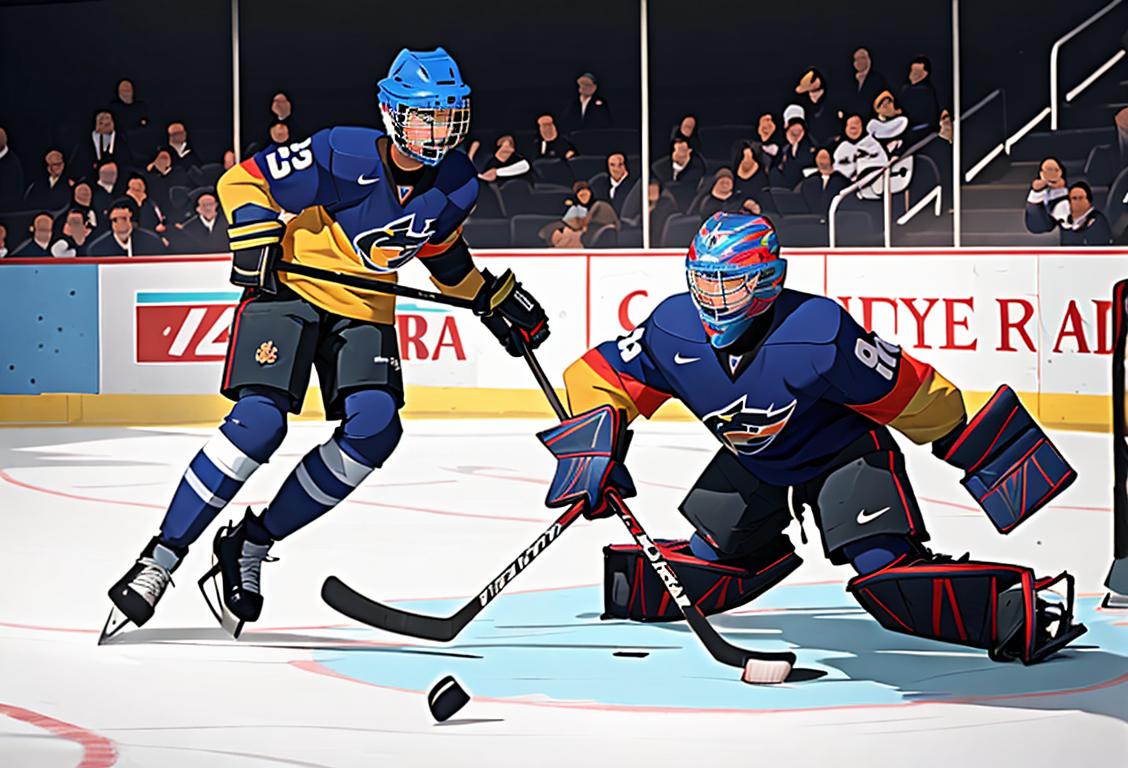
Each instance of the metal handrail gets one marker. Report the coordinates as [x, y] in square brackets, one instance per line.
[998, 148]
[868, 179]
[1054, 51]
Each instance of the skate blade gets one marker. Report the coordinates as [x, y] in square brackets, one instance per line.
[758, 672]
[115, 622]
[1115, 601]
[230, 623]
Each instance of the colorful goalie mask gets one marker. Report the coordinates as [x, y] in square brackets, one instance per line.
[734, 273]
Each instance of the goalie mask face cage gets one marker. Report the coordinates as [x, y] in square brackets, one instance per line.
[734, 273]
[426, 135]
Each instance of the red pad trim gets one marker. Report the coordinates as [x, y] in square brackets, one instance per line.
[956, 608]
[250, 166]
[972, 424]
[911, 375]
[873, 597]
[231, 339]
[937, 586]
[645, 398]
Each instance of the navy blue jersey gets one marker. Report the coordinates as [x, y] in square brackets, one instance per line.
[816, 383]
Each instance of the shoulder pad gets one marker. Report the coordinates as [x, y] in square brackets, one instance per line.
[358, 142]
[354, 153]
[808, 319]
[677, 317]
[455, 170]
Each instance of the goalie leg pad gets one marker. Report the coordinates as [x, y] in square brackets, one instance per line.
[1003, 609]
[632, 590]
[1013, 469]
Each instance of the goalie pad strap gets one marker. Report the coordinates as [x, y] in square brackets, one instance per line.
[632, 590]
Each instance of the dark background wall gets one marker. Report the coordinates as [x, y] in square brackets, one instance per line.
[722, 60]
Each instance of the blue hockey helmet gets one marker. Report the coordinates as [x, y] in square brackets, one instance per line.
[734, 273]
[425, 104]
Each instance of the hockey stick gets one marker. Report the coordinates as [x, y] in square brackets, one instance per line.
[367, 284]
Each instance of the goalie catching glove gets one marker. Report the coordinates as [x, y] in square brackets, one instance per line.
[510, 312]
[589, 449]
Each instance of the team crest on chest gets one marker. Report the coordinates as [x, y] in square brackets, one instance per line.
[747, 430]
[389, 247]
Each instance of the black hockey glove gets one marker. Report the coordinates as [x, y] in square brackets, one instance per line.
[510, 312]
[254, 267]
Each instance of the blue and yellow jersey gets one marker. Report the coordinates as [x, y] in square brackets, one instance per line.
[817, 382]
[349, 215]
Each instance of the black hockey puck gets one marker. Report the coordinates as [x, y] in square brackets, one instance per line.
[446, 698]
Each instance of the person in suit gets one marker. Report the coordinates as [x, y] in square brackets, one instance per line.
[820, 188]
[797, 154]
[867, 84]
[107, 188]
[124, 239]
[549, 142]
[11, 176]
[37, 246]
[104, 143]
[614, 187]
[206, 232]
[130, 111]
[682, 165]
[75, 237]
[588, 110]
[51, 191]
[183, 156]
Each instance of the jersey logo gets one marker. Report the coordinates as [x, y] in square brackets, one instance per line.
[746, 430]
[865, 517]
[389, 247]
[364, 181]
[679, 360]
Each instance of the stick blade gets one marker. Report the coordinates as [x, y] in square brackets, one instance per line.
[344, 599]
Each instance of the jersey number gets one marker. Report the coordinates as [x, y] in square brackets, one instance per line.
[880, 356]
[630, 345]
[296, 157]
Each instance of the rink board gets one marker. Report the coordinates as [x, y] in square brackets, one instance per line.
[148, 346]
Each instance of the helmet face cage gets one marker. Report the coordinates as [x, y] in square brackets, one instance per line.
[426, 134]
[725, 294]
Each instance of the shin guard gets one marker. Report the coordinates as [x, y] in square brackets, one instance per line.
[632, 590]
[1003, 609]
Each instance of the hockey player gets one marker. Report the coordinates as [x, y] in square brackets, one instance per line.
[358, 201]
[801, 399]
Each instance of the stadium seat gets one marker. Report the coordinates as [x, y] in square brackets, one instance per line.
[717, 141]
[486, 233]
[606, 236]
[523, 230]
[205, 175]
[604, 141]
[1116, 204]
[552, 170]
[587, 166]
[517, 197]
[679, 230]
[806, 230]
[1101, 165]
[489, 203]
[683, 194]
[548, 202]
[788, 202]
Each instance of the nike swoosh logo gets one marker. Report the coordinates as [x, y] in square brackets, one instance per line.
[679, 360]
[363, 181]
[864, 517]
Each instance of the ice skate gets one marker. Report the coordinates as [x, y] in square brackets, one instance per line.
[136, 594]
[235, 576]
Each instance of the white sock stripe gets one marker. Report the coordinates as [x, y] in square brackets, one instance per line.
[344, 467]
[310, 487]
[202, 491]
[228, 459]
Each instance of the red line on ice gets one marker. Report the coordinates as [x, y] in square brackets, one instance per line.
[97, 751]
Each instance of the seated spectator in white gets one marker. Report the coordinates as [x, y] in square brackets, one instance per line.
[919, 101]
[549, 142]
[206, 232]
[51, 191]
[1047, 202]
[107, 188]
[614, 188]
[161, 176]
[889, 127]
[129, 111]
[3, 241]
[797, 155]
[867, 84]
[38, 246]
[11, 176]
[183, 156]
[588, 110]
[857, 152]
[769, 139]
[75, 237]
[720, 196]
[687, 129]
[681, 166]
[750, 180]
[822, 118]
[146, 213]
[83, 200]
[125, 239]
[105, 143]
[506, 163]
[1080, 223]
[821, 187]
